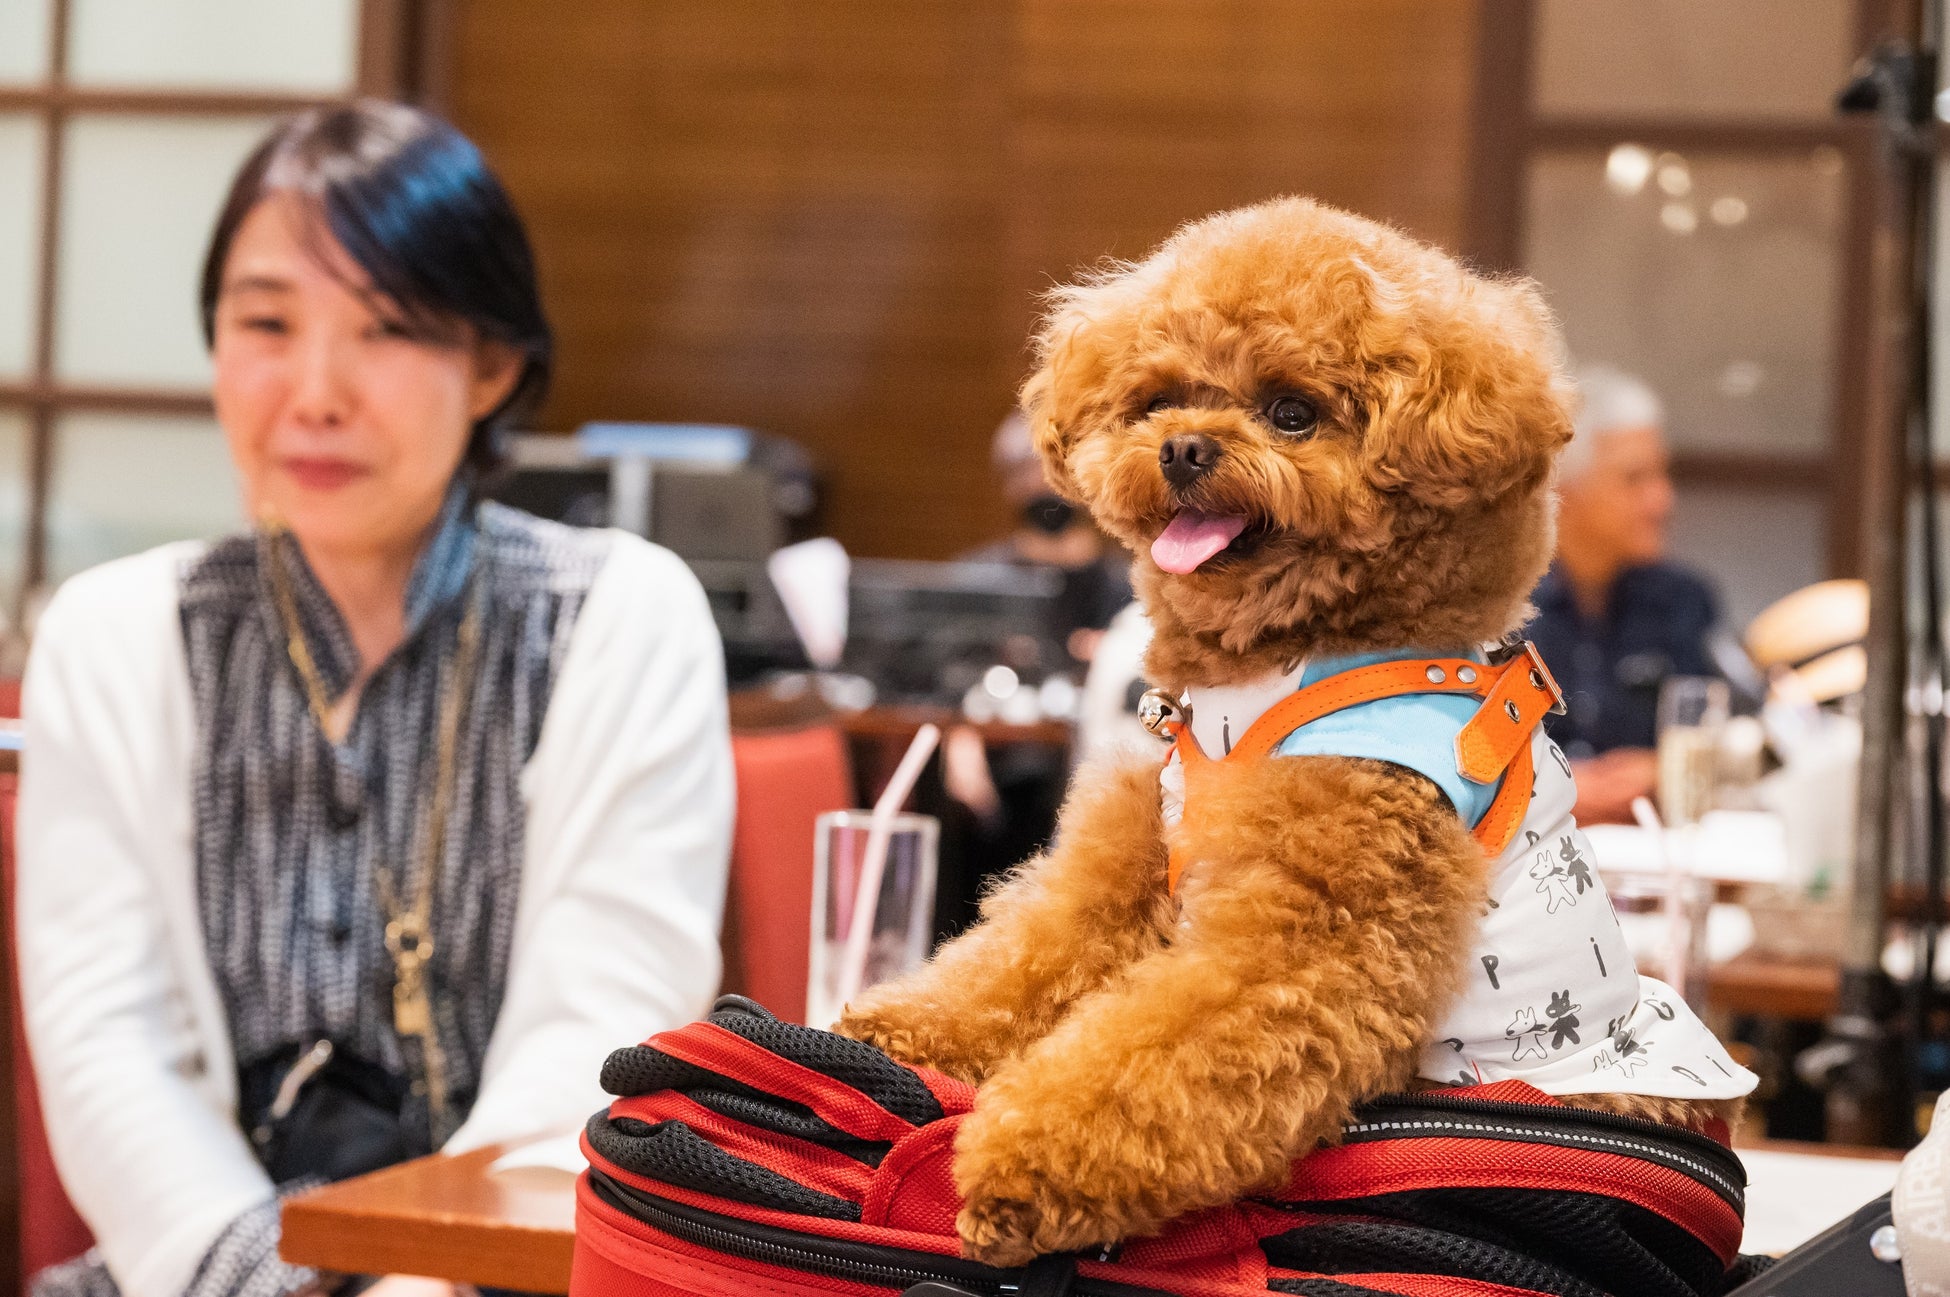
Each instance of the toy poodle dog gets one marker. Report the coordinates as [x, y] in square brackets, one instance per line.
[1330, 450]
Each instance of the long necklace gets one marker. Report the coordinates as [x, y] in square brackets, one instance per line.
[409, 928]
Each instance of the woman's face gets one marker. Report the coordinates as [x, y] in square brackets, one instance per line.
[345, 422]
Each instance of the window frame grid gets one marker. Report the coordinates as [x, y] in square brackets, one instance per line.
[393, 39]
[1510, 133]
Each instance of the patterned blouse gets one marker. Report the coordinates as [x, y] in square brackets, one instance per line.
[289, 826]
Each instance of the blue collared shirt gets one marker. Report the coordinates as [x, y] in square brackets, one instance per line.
[1655, 625]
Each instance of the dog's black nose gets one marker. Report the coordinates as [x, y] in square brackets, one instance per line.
[1187, 458]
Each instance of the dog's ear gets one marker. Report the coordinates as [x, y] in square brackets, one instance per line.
[1475, 404]
[1057, 398]
[1046, 433]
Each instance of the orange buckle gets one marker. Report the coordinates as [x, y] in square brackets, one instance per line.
[1512, 649]
[1524, 693]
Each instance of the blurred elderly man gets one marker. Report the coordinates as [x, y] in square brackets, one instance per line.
[1614, 619]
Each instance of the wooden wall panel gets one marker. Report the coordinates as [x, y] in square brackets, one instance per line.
[830, 218]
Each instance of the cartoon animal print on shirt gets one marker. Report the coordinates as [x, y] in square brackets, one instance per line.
[1564, 1019]
[1552, 882]
[1575, 866]
[1626, 1054]
[1529, 1036]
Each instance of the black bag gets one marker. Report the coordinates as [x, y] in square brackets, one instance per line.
[321, 1112]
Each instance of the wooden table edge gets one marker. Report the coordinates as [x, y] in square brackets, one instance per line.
[335, 1228]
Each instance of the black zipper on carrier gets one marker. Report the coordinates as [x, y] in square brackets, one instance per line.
[838, 1258]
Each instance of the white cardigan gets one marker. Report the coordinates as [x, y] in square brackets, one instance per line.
[628, 802]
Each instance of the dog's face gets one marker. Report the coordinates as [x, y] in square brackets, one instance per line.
[1309, 429]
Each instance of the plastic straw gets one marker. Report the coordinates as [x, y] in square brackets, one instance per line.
[880, 829]
[1678, 925]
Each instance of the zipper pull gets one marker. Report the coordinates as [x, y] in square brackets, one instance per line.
[1052, 1275]
[298, 1077]
[293, 1085]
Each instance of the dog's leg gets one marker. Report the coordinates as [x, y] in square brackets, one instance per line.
[1327, 913]
[1054, 931]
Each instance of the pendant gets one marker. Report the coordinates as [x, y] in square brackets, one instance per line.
[412, 1009]
[412, 1004]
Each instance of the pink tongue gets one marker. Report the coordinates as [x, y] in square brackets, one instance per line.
[1192, 538]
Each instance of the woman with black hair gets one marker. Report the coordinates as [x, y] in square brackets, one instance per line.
[371, 832]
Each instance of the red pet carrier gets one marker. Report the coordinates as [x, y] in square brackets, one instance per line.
[747, 1155]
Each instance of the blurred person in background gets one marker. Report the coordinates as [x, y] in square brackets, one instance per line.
[372, 832]
[1614, 618]
[1052, 532]
[1011, 791]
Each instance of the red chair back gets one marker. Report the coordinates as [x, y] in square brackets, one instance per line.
[784, 781]
[50, 1230]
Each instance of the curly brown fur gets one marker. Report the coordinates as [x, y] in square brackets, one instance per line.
[1418, 511]
[1137, 1064]
[1063, 923]
[1695, 1114]
[1314, 957]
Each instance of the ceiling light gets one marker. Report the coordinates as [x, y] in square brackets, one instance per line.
[1728, 210]
[1628, 167]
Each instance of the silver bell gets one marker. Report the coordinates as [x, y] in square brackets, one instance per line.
[1157, 709]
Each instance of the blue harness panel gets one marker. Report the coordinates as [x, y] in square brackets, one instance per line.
[1417, 731]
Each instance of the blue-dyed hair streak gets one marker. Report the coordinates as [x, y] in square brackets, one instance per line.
[413, 203]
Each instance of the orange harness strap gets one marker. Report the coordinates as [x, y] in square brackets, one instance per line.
[1516, 694]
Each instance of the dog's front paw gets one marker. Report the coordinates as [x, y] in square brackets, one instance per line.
[886, 1034]
[1013, 1211]
[908, 1038]
[1020, 1225]
[999, 1231]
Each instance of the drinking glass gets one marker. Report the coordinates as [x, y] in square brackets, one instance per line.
[1692, 713]
[1670, 941]
[903, 917]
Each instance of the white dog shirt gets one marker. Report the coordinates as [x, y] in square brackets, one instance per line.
[1552, 996]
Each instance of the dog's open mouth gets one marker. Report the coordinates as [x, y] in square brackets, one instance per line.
[1194, 536]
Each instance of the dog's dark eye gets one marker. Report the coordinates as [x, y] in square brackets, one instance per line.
[1159, 402]
[1292, 414]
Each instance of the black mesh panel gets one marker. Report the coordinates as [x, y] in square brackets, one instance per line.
[850, 1062]
[640, 1069]
[672, 1152]
[1372, 1247]
[1614, 1245]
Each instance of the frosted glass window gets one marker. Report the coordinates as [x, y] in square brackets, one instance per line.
[1779, 59]
[292, 46]
[125, 483]
[13, 508]
[1714, 278]
[1754, 546]
[24, 41]
[139, 198]
[21, 138]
